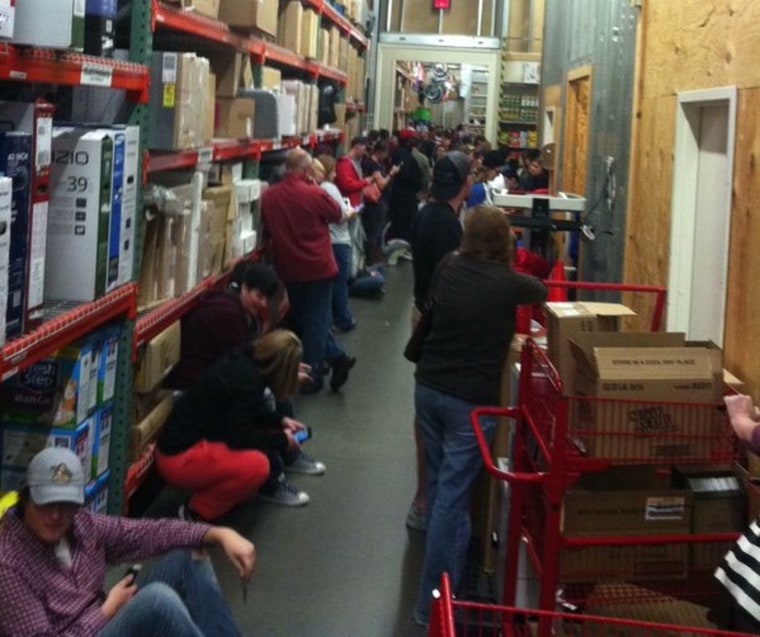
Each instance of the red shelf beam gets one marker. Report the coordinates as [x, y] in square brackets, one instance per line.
[44, 66]
[175, 19]
[62, 330]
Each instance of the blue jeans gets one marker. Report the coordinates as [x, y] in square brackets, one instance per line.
[341, 315]
[311, 319]
[179, 596]
[452, 464]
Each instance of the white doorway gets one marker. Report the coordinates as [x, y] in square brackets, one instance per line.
[482, 52]
[701, 213]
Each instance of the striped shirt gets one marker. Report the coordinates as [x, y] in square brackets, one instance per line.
[39, 597]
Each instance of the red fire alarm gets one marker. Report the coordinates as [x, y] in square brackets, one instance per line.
[441, 4]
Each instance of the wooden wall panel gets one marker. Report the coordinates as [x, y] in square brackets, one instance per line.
[693, 44]
[419, 17]
[742, 334]
[648, 219]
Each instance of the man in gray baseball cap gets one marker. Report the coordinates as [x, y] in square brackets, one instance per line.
[55, 476]
[54, 553]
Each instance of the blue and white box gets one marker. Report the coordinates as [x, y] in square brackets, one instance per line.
[21, 441]
[101, 439]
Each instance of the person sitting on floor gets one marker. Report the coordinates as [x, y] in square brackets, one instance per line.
[54, 554]
[224, 320]
[226, 438]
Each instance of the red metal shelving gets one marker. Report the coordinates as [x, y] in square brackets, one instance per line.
[233, 149]
[65, 328]
[175, 19]
[45, 66]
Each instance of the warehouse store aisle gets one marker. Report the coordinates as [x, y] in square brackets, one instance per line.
[345, 565]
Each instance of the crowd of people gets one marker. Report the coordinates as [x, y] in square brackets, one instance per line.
[273, 332]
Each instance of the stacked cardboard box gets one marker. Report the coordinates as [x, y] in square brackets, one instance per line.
[152, 404]
[259, 16]
[65, 400]
[179, 119]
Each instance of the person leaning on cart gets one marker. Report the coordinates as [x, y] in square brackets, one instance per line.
[54, 554]
[473, 321]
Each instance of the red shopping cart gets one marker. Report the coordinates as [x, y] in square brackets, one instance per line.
[454, 618]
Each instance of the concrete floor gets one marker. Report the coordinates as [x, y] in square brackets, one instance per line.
[345, 565]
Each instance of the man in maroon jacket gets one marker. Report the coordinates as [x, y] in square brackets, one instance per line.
[295, 213]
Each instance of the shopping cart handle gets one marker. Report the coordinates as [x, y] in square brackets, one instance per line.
[485, 450]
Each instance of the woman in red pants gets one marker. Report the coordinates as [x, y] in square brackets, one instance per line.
[215, 441]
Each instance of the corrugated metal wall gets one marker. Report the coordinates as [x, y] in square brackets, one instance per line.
[600, 34]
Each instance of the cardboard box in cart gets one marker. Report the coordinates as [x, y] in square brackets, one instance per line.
[662, 390]
[565, 320]
[625, 502]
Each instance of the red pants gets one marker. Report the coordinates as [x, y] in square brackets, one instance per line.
[218, 476]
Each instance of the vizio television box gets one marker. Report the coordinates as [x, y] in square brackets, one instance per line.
[80, 213]
[55, 24]
[15, 162]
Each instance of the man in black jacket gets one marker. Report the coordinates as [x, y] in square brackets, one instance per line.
[435, 232]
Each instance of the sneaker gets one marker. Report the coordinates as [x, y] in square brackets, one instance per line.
[342, 329]
[416, 520]
[340, 368]
[286, 494]
[304, 463]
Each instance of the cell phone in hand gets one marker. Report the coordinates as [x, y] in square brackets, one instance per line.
[302, 435]
[133, 571]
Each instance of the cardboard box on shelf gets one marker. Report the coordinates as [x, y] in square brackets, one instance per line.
[333, 57]
[288, 114]
[211, 252]
[178, 118]
[258, 15]
[271, 78]
[290, 25]
[208, 8]
[53, 392]
[158, 358]
[300, 91]
[209, 130]
[76, 256]
[36, 119]
[227, 66]
[625, 501]
[16, 163]
[62, 27]
[6, 188]
[309, 34]
[662, 388]
[324, 45]
[101, 440]
[565, 320]
[142, 433]
[108, 363]
[21, 441]
[96, 494]
[236, 117]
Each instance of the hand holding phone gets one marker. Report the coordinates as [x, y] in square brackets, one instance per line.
[133, 571]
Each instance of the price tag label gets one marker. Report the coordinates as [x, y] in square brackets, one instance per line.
[205, 157]
[96, 75]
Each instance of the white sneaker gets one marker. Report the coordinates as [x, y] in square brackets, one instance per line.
[306, 464]
[286, 494]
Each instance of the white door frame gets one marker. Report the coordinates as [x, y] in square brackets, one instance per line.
[683, 204]
[388, 55]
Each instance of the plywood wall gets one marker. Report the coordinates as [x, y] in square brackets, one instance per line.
[689, 45]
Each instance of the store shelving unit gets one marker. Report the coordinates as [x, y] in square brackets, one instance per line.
[477, 103]
[66, 322]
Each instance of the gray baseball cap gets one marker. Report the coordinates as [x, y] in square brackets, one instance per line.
[55, 475]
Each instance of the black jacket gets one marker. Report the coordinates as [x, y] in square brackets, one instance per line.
[229, 404]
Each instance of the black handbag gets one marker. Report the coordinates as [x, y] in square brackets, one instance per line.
[413, 348]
